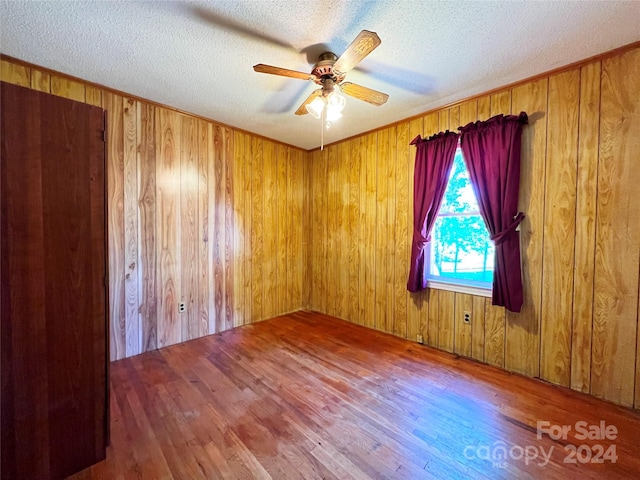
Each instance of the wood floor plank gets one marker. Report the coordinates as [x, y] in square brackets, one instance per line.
[310, 396]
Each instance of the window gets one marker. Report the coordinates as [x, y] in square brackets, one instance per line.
[460, 255]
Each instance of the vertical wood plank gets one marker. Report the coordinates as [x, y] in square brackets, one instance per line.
[133, 326]
[229, 249]
[484, 107]
[617, 259]
[93, 96]
[41, 81]
[239, 213]
[494, 319]
[523, 329]
[342, 240]
[306, 229]
[289, 226]
[316, 231]
[67, 88]
[433, 313]
[213, 143]
[443, 122]
[401, 228]
[203, 233]
[168, 127]
[257, 229]
[370, 230]
[332, 202]
[297, 197]
[391, 242]
[454, 118]
[188, 235]
[320, 238]
[468, 112]
[14, 73]
[478, 329]
[115, 220]
[248, 228]
[381, 230]
[353, 232]
[219, 194]
[146, 159]
[360, 156]
[501, 103]
[282, 166]
[446, 312]
[585, 234]
[559, 227]
[270, 153]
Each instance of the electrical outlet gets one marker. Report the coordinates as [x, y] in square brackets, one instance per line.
[182, 307]
[420, 339]
[467, 317]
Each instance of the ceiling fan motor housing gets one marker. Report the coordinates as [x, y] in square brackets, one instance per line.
[323, 70]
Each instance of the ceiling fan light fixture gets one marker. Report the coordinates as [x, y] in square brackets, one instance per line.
[315, 107]
[336, 102]
[333, 114]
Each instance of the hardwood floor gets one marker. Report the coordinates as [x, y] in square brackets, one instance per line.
[310, 396]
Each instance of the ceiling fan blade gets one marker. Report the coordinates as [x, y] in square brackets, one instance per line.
[283, 72]
[222, 21]
[363, 93]
[361, 46]
[301, 109]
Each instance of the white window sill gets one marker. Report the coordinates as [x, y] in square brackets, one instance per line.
[460, 288]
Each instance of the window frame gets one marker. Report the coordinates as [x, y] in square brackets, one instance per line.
[472, 287]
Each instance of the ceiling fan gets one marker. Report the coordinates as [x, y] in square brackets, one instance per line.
[330, 71]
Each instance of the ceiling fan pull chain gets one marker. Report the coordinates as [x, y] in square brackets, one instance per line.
[322, 129]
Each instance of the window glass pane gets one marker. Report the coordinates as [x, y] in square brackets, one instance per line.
[459, 196]
[460, 248]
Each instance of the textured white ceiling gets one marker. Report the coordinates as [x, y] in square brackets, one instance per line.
[198, 56]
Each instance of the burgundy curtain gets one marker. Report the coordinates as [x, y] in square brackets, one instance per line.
[491, 151]
[434, 159]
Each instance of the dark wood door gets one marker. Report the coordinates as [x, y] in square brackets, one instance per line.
[52, 268]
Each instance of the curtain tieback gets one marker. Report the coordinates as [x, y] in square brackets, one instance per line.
[500, 237]
[419, 239]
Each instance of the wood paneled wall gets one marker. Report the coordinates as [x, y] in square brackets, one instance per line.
[241, 228]
[580, 191]
[198, 213]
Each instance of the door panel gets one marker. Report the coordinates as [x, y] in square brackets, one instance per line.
[53, 292]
